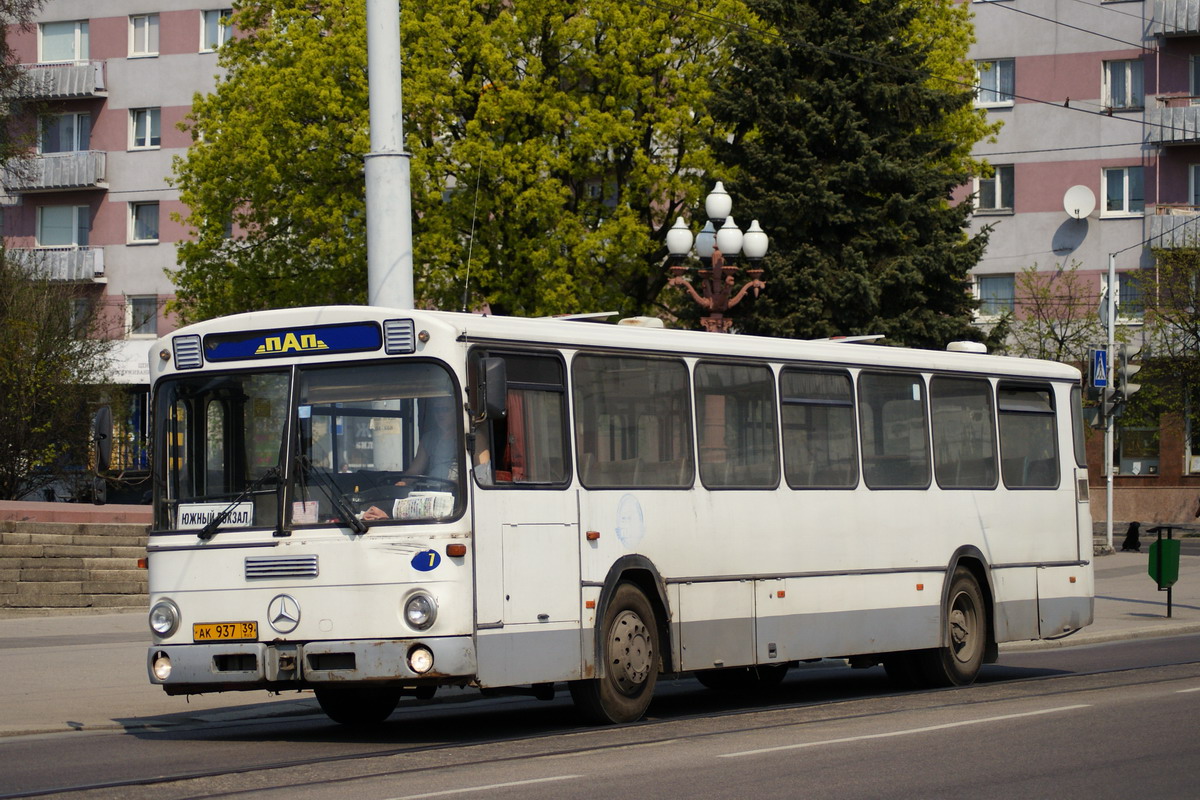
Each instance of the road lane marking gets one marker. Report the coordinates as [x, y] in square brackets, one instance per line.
[1185, 691]
[488, 787]
[926, 729]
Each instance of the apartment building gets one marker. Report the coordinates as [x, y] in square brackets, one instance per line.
[1099, 155]
[108, 84]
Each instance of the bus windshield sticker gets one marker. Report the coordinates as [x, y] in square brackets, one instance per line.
[197, 515]
[426, 560]
[353, 337]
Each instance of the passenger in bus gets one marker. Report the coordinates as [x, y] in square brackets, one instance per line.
[436, 455]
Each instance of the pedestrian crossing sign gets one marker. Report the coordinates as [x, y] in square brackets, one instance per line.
[1099, 362]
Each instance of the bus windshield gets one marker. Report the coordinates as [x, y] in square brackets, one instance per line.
[363, 444]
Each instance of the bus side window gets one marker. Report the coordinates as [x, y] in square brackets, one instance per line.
[819, 447]
[964, 433]
[735, 413]
[632, 422]
[894, 430]
[1028, 441]
[528, 446]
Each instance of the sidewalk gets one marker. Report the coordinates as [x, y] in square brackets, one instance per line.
[88, 673]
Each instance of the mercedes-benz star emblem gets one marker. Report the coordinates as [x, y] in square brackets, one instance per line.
[283, 613]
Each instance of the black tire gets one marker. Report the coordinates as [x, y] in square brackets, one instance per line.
[743, 680]
[966, 632]
[630, 655]
[358, 706]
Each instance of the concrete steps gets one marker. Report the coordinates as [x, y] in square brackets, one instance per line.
[71, 565]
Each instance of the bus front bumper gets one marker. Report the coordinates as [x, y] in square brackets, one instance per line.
[196, 668]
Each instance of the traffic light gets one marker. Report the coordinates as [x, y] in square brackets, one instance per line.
[1112, 402]
[1128, 369]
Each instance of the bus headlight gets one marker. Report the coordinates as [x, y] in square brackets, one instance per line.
[164, 618]
[420, 659]
[161, 665]
[420, 610]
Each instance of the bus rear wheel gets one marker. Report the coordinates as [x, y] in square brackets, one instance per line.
[957, 663]
[358, 706]
[629, 652]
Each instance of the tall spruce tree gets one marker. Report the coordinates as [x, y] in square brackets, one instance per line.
[846, 160]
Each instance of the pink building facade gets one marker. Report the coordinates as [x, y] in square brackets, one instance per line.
[1098, 99]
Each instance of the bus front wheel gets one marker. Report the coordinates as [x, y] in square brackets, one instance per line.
[358, 706]
[629, 651]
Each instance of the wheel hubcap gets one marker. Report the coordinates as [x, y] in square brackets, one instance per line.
[631, 652]
[963, 624]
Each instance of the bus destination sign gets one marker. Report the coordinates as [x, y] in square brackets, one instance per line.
[352, 337]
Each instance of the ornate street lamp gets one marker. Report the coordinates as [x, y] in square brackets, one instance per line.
[720, 237]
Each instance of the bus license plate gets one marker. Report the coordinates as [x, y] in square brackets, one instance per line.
[225, 632]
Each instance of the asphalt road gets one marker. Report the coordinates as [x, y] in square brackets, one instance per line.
[1098, 721]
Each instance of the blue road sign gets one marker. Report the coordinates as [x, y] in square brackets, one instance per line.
[1099, 368]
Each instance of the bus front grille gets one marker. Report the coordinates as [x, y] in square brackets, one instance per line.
[258, 567]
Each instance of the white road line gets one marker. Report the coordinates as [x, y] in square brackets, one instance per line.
[488, 787]
[1185, 691]
[926, 729]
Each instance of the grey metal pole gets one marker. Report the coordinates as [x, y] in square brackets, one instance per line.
[1108, 422]
[389, 190]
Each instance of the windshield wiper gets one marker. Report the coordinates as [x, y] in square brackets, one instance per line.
[210, 529]
[336, 498]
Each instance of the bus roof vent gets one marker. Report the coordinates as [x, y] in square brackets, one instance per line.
[188, 353]
[399, 337]
[967, 347]
[641, 322]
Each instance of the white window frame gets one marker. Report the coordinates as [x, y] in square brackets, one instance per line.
[78, 146]
[82, 46]
[133, 221]
[989, 79]
[1194, 186]
[1194, 79]
[1004, 177]
[1134, 79]
[143, 35]
[130, 302]
[1125, 210]
[81, 217]
[224, 32]
[153, 116]
[980, 313]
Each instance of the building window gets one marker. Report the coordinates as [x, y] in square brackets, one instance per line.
[997, 79]
[996, 295]
[143, 35]
[215, 30]
[1123, 191]
[144, 123]
[1194, 79]
[64, 133]
[63, 226]
[995, 193]
[143, 222]
[1137, 451]
[63, 41]
[1131, 302]
[141, 314]
[1194, 185]
[1123, 85]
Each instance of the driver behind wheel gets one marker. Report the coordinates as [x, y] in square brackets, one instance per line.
[436, 456]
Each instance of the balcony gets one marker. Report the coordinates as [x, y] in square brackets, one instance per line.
[71, 263]
[1174, 227]
[1176, 18]
[52, 172]
[64, 81]
[1175, 120]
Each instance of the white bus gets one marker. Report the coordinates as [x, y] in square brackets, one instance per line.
[372, 503]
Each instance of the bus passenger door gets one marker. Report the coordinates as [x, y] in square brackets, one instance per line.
[527, 591]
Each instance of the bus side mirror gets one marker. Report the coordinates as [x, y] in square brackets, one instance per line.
[493, 383]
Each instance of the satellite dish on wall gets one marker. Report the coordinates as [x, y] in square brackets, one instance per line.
[1079, 201]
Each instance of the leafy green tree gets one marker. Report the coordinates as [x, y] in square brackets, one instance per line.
[1055, 317]
[1171, 293]
[51, 366]
[848, 158]
[550, 143]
